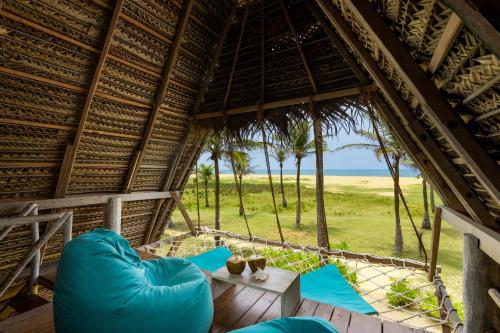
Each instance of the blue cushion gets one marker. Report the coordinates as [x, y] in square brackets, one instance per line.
[291, 325]
[327, 285]
[211, 260]
[103, 286]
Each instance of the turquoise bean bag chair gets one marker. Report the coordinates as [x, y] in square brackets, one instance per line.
[103, 286]
[291, 325]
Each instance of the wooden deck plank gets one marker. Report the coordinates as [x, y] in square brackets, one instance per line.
[392, 327]
[341, 319]
[240, 304]
[307, 308]
[256, 311]
[38, 320]
[273, 312]
[362, 323]
[324, 311]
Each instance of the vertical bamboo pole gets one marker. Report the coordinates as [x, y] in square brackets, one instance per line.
[436, 233]
[35, 262]
[114, 215]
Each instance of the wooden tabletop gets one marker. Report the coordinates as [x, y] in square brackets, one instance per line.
[278, 281]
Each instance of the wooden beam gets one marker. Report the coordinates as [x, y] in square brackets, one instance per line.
[167, 76]
[300, 48]
[436, 234]
[66, 170]
[184, 213]
[293, 101]
[433, 103]
[235, 59]
[481, 89]
[262, 52]
[445, 43]
[413, 127]
[206, 81]
[114, 215]
[16, 207]
[476, 23]
[489, 240]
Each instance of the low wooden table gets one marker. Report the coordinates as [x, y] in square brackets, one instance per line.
[284, 283]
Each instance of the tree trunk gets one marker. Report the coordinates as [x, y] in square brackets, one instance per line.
[322, 228]
[217, 193]
[283, 198]
[297, 212]
[240, 178]
[398, 239]
[433, 203]
[426, 222]
[206, 194]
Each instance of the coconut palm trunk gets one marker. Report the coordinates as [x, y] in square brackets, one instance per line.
[283, 197]
[322, 228]
[398, 238]
[297, 212]
[426, 222]
[433, 203]
[206, 194]
[217, 193]
[240, 181]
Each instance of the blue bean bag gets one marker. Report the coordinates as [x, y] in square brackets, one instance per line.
[291, 325]
[103, 286]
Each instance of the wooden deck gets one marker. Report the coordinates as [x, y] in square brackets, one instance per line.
[236, 308]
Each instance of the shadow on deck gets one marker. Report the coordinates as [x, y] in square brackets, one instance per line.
[236, 308]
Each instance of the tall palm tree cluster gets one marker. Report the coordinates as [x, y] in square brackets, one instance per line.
[299, 145]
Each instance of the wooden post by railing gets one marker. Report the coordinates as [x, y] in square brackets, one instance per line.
[35, 262]
[436, 233]
[68, 231]
[475, 281]
[114, 215]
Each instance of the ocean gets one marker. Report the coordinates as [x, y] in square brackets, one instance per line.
[340, 172]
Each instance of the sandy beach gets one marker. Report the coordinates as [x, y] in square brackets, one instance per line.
[331, 182]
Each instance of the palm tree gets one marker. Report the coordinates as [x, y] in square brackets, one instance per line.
[280, 152]
[426, 222]
[396, 155]
[241, 166]
[214, 146]
[301, 146]
[205, 172]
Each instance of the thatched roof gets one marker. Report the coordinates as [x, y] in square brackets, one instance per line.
[105, 97]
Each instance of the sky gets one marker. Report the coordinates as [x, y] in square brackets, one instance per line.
[348, 159]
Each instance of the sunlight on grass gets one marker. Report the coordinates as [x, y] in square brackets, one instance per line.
[361, 217]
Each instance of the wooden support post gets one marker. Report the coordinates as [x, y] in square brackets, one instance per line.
[114, 215]
[436, 233]
[68, 230]
[35, 262]
[184, 213]
[475, 286]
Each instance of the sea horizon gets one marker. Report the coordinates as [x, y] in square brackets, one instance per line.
[336, 172]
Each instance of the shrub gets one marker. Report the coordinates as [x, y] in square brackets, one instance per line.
[350, 276]
[401, 294]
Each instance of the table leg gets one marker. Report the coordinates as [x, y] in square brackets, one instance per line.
[290, 298]
[219, 287]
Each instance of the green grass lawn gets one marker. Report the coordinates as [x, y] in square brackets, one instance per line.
[361, 217]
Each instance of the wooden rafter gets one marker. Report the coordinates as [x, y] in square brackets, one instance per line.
[418, 133]
[477, 23]
[445, 42]
[300, 48]
[408, 143]
[287, 102]
[262, 52]
[206, 80]
[235, 59]
[167, 76]
[65, 174]
[435, 106]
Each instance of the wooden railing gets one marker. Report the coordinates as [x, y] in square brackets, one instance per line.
[27, 214]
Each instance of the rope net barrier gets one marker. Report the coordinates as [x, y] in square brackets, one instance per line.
[397, 288]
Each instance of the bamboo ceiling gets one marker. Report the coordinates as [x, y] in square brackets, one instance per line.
[99, 96]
